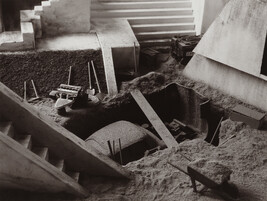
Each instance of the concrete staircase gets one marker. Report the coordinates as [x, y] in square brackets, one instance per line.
[36, 154]
[63, 16]
[18, 40]
[40, 157]
[30, 25]
[154, 22]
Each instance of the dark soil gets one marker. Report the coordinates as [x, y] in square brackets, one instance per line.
[49, 70]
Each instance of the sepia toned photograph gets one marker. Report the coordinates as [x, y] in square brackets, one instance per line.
[133, 100]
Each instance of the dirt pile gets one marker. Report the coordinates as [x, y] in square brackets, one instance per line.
[155, 179]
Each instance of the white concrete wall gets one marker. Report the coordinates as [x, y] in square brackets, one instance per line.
[66, 16]
[249, 89]
[237, 37]
[198, 12]
[212, 9]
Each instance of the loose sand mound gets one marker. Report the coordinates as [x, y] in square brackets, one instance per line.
[154, 179]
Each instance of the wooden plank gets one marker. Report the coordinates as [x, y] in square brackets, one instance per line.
[154, 119]
[109, 71]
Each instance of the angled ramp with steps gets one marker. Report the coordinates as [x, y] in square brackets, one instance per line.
[37, 154]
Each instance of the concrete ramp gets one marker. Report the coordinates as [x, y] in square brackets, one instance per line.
[237, 36]
[243, 86]
[230, 55]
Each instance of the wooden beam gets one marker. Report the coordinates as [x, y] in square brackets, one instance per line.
[154, 119]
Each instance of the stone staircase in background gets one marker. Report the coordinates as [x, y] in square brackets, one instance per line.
[30, 28]
[18, 40]
[39, 155]
[154, 22]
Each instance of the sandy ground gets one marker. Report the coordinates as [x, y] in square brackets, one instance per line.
[153, 178]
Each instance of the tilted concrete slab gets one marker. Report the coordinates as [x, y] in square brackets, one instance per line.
[237, 36]
[60, 141]
[116, 39]
[240, 85]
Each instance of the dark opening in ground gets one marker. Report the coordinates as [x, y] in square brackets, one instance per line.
[11, 12]
[264, 60]
[184, 112]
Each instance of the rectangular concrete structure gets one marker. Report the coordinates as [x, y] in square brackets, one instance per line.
[64, 16]
[248, 116]
[117, 42]
[237, 37]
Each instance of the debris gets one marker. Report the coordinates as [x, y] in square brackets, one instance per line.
[148, 56]
[35, 91]
[100, 95]
[224, 142]
[150, 151]
[67, 95]
[219, 124]
[90, 91]
[182, 47]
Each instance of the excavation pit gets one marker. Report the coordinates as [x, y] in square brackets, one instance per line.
[183, 111]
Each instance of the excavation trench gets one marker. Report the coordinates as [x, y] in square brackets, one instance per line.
[184, 112]
[50, 69]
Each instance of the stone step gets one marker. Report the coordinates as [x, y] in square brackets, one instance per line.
[74, 175]
[24, 140]
[58, 163]
[38, 10]
[42, 152]
[10, 37]
[7, 128]
[29, 16]
[28, 36]
[141, 5]
[46, 3]
[141, 12]
[163, 27]
[156, 42]
[161, 19]
[162, 34]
